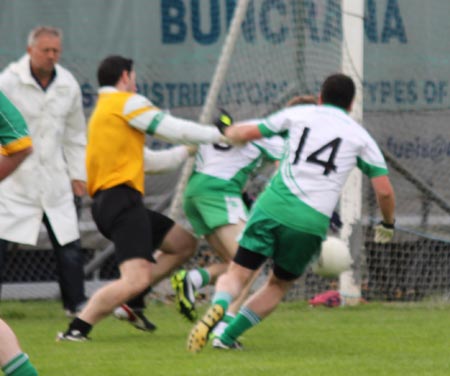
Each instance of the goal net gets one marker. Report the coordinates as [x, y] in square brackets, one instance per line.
[287, 49]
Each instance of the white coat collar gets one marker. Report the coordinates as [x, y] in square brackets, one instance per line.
[23, 70]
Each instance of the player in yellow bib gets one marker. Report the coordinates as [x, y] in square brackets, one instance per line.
[115, 170]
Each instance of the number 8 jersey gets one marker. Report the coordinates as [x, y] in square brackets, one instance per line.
[324, 144]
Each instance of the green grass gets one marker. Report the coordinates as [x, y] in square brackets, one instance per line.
[373, 339]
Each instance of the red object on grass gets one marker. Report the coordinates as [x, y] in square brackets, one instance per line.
[330, 298]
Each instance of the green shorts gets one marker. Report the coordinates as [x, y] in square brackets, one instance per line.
[205, 214]
[290, 249]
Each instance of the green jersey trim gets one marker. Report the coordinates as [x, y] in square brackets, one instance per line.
[266, 132]
[269, 156]
[278, 202]
[16, 146]
[206, 185]
[151, 129]
[370, 170]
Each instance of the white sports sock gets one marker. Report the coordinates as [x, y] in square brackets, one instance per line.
[196, 278]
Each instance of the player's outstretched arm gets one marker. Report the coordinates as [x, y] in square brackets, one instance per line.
[243, 133]
[236, 135]
[143, 115]
[384, 192]
[183, 131]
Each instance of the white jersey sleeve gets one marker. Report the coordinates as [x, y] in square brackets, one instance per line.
[161, 161]
[144, 116]
[371, 160]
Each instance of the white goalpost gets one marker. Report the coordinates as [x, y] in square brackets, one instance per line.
[351, 198]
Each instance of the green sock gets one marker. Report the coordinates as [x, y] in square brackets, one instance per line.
[19, 366]
[229, 317]
[205, 276]
[220, 327]
[244, 320]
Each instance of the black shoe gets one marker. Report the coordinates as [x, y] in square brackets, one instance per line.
[134, 317]
[72, 335]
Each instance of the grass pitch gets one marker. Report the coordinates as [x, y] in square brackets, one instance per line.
[373, 339]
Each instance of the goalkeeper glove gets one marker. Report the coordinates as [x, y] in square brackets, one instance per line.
[223, 121]
[384, 232]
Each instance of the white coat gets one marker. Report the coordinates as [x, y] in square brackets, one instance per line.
[42, 183]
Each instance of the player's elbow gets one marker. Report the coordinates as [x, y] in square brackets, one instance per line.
[385, 193]
[383, 187]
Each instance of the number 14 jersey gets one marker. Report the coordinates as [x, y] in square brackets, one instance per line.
[324, 144]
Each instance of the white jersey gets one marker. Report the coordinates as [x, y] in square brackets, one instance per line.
[221, 168]
[325, 144]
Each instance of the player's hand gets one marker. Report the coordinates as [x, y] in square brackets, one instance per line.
[223, 121]
[384, 232]
[78, 187]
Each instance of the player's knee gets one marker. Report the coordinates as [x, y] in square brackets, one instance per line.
[281, 281]
[190, 246]
[181, 242]
[239, 273]
[139, 285]
[138, 280]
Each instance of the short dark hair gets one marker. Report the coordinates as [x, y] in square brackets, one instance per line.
[338, 90]
[111, 68]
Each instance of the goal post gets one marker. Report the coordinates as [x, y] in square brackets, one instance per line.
[351, 197]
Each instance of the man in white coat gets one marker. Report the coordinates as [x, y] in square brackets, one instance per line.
[44, 186]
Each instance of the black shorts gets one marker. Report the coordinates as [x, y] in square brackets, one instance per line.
[121, 217]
